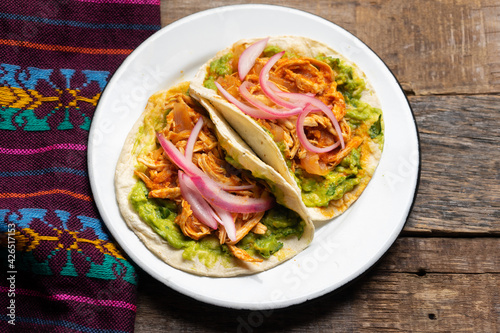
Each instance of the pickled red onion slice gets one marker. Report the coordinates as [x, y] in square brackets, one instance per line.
[206, 214]
[281, 93]
[302, 135]
[246, 109]
[200, 207]
[296, 103]
[247, 58]
[329, 113]
[227, 220]
[277, 113]
[230, 202]
[264, 83]
[189, 167]
[318, 104]
[175, 155]
[292, 100]
[213, 192]
[192, 139]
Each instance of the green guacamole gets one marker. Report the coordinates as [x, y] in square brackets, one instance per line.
[229, 159]
[271, 50]
[223, 65]
[348, 83]
[160, 214]
[376, 128]
[219, 67]
[318, 191]
[352, 86]
[281, 223]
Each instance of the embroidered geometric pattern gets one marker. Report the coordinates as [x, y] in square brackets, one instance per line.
[19, 98]
[58, 240]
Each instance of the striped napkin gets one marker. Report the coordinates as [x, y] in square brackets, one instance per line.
[60, 270]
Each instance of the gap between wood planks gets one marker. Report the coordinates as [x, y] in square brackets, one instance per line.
[439, 255]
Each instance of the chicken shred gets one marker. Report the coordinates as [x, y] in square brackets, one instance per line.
[189, 224]
[259, 229]
[243, 227]
[242, 254]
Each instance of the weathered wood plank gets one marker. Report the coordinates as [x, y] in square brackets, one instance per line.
[433, 47]
[457, 293]
[460, 172]
[432, 303]
[442, 255]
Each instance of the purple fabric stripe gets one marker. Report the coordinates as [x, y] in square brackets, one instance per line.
[137, 2]
[79, 24]
[85, 12]
[82, 313]
[49, 59]
[31, 151]
[63, 202]
[74, 298]
[75, 159]
[71, 36]
[48, 325]
[90, 287]
[58, 182]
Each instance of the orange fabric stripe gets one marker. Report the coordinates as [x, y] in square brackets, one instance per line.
[36, 194]
[64, 48]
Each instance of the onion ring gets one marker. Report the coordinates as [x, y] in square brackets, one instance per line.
[302, 135]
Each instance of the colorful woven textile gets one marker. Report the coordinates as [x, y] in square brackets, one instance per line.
[60, 270]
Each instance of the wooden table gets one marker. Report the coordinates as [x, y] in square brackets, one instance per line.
[443, 272]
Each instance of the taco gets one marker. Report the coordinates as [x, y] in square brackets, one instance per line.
[305, 110]
[199, 198]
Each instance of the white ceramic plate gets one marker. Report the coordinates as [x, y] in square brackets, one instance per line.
[342, 249]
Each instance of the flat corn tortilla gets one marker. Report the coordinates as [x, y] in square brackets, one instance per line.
[260, 140]
[142, 139]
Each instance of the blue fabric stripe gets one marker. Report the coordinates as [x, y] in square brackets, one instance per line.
[80, 24]
[61, 323]
[42, 172]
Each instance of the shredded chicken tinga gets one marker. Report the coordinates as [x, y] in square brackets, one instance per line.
[307, 76]
[161, 175]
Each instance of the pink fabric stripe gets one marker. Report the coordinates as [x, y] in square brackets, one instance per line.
[133, 2]
[64, 297]
[42, 149]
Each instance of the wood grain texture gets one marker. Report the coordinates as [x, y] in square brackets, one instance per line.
[419, 255]
[459, 186]
[415, 288]
[433, 47]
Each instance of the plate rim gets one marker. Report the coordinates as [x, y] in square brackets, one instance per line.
[366, 266]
